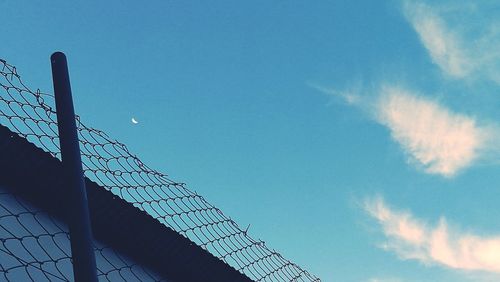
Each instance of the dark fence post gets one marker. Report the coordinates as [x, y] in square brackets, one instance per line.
[84, 266]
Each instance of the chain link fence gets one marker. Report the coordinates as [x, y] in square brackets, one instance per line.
[109, 163]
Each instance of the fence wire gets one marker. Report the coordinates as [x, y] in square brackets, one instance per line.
[36, 247]
[108, 162]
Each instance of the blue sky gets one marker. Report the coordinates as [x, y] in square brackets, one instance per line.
[360, 139]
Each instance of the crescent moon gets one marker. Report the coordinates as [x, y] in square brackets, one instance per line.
[134, 121]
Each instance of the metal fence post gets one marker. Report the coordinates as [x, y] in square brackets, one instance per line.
[84, 266]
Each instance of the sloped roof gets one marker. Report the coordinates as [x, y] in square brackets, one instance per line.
[110, 164]
[35, 175]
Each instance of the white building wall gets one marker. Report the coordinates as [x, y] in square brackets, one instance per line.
[35, 247]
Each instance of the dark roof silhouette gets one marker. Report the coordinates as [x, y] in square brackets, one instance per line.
[108, 164]
[34, 175]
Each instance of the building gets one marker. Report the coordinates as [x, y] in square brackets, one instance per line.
[146, 226]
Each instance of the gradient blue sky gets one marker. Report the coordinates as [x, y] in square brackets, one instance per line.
[360, 139]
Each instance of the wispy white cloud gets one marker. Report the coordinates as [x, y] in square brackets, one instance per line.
[411, 238]
[465, 45]
[444, 46]
[350, 96]
[433, 137]
[461, 41]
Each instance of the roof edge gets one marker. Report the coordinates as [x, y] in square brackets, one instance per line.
[35, 175]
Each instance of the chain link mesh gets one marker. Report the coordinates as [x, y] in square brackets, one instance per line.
[110, 164]
[35, 247]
